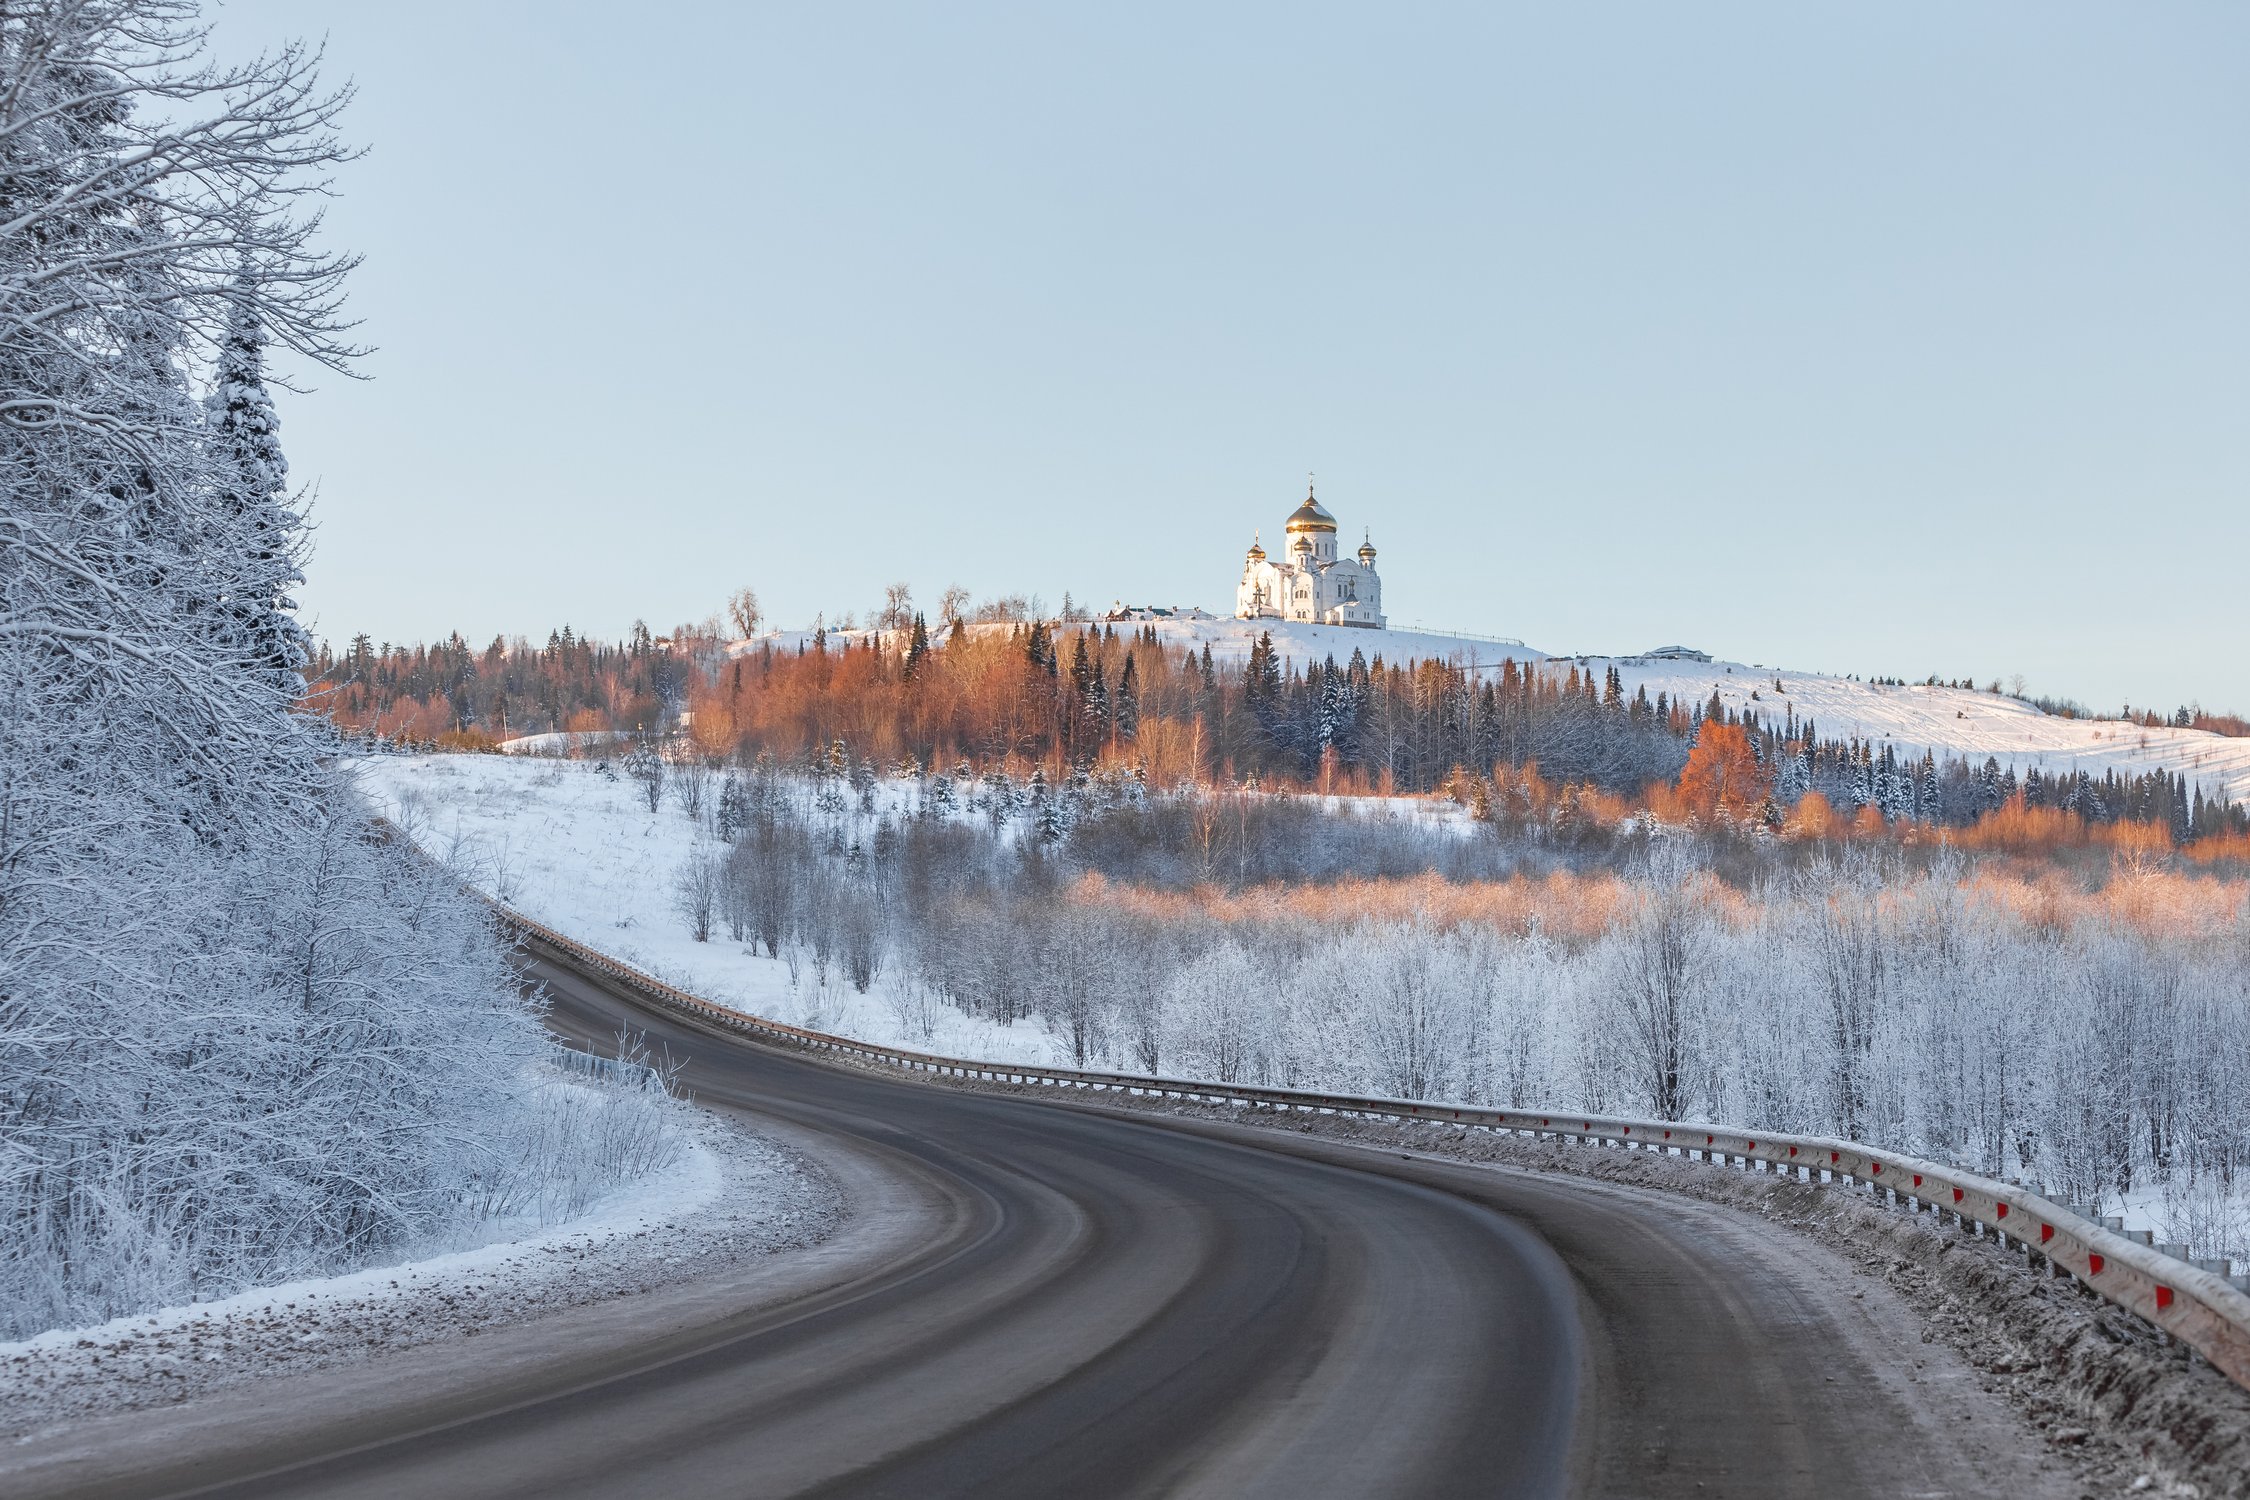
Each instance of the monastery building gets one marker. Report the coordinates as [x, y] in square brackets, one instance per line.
[1309, 582]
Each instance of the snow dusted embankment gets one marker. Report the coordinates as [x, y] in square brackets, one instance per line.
[578, 850]
[732, 1195]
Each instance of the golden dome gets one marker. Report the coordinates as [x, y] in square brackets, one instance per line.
[1310, 517]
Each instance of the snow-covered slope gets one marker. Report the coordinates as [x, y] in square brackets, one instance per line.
[578, 850]
[1949, 721]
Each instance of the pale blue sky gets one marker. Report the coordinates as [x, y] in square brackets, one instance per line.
[1881, 339]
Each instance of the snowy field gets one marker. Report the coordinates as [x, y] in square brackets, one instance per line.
[579, 851]
[1948, 721]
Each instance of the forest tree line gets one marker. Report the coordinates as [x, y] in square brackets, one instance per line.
[1072, 696]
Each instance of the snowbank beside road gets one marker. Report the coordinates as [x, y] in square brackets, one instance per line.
[733, 1195]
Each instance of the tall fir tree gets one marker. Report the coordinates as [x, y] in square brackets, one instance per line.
[1129, 700]
[917, 647]
[254, 477]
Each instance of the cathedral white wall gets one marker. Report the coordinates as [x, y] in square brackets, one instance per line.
[1341, 593]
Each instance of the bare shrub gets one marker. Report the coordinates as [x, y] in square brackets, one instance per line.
[691, 779]
[696, 890]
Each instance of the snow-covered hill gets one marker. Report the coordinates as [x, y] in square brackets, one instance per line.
[1949, 721]
[1952, 721]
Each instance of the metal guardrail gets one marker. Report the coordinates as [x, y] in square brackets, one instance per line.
[2193, 1304]
[579, 1063]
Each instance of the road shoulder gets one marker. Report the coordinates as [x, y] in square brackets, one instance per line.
[659, 1297]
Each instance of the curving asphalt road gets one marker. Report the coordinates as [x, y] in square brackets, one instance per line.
[1092, 1304]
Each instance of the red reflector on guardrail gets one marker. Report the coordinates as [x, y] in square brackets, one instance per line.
[1957, 1195]
[2002, 1211]
[2163, 1298]
[1710, 1140]
[1751, 1145]
[2046, 1233]
[1917, 1179]
[2094, 1264]
[1876, 1168]
[1835, 1157]
[1792, 1150]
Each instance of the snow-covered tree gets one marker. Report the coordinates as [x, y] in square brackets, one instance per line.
[733, 812]
[647, 769]
[244, 1033]
[254, 482]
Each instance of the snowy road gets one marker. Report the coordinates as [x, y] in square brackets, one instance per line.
[1045, 1301]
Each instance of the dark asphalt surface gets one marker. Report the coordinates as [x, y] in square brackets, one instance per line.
[1103, 1305]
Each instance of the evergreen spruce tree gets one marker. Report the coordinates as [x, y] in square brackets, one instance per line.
[254, 480]
[1099, 712]
[1080, 674]
[1051, 821]
[734, 808]
[917, 647]
[1333, 706]
[1129, 701]
[1039, 648]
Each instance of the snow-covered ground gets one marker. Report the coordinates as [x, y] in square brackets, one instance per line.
[1948, 721]
[561, 742]
[731, 1195]
[578, 850]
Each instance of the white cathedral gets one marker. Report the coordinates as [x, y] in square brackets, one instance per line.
[1309, 581]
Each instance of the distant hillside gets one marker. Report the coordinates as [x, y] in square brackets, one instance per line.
[1912, 719]
[1956, 721]
[1947, 721]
